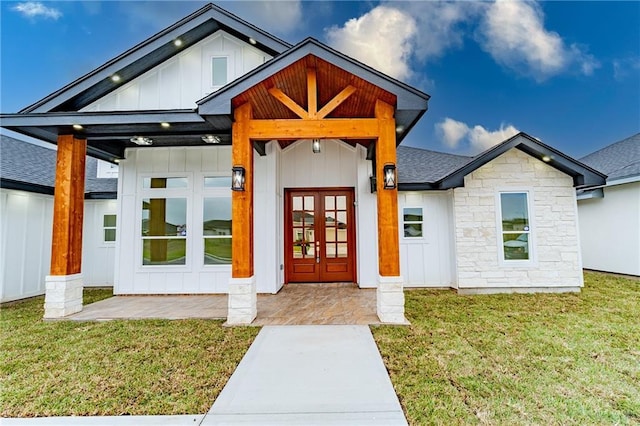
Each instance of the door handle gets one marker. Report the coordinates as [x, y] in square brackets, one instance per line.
[317, 252]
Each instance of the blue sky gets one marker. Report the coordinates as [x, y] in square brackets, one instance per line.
[567, 73]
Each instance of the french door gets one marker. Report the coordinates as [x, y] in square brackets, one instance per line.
[319, 235]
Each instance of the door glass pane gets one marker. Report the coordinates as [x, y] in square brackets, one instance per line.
[331, 250]
[217, 251]
[515, 213]
[330, 218]
[342, 219]
[412, 214]
[109, 220]
[330, 234]
[329, 202]
[341, 202]
[412, 230]
[308, 203]
[164, 251]
[109, 235]
[297, 203]
[342, 249]
[341, 234]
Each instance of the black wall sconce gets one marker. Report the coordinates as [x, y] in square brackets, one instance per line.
[389, 171]
[372, 183]
[237, 178]
[315, 146]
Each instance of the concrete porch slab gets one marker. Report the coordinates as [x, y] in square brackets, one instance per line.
[309, 375]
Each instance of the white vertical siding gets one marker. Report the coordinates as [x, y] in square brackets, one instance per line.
[194, 163]
[183, 79]
[26, 243]
[428, 261]
[610, 230]
[98, 256]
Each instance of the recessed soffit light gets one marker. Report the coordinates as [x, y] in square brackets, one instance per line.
[165, 125]
[211, 139]
[116, 78]
[141, 140]
[77, 127]
[177, 42]
[252, 40]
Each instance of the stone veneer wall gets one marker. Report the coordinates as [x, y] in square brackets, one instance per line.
[557, 265]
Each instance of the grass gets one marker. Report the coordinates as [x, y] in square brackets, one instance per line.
[56, 368]
[519, 359]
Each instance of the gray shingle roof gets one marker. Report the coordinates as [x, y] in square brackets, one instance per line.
[619, 160]
[416, 165]
[32, 164]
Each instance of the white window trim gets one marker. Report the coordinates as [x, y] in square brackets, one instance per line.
[421, 239]
[205, 192]
[186, 193]
[104, 228]
[532, 261]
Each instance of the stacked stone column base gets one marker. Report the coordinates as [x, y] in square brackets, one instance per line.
[390, 300]
[63, 295]
[243, 301]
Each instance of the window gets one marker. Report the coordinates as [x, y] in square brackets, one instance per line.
[412, 218]
[164, 231]
[109, 228]
[217, 182]
[164, 182]
[216, 229]
[218, 71]
[516, 228]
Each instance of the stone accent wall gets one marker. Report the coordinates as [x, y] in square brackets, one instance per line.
[390, 300]
[242, 301]
[556, 266]
[63, 295]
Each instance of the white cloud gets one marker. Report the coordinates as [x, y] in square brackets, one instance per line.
[453, 132]
[513, 33]
[277, 17]
[34, 9]
[382, 38]
[622, 68]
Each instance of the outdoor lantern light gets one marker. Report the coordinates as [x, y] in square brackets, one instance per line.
[315, 146]
[211, 139]
[237, 178]
[372, 183]
[389, 171]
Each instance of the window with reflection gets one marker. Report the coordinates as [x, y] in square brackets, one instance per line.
[412, 222]
[164, 182]
[216, 226]
[164, 231]
[516, 229]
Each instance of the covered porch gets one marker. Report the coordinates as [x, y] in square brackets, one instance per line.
[295, 304]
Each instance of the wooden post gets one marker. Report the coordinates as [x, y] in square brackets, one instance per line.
[64, 285]
[242, 301]
[388, 240]
[389, 292]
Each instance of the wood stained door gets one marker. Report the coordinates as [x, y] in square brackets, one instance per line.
[319, 235]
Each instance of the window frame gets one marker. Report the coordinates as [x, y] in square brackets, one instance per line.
[166, 193]
[420, 238]
[203, 194]
[227, 58]
[114, 228]
[532, 261]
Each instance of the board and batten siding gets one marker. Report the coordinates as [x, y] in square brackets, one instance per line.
[194, 163]
[556, 265]
[25, 255]
[610, 230]
[185, 78]
[428, 261]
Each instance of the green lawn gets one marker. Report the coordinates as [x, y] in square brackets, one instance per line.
[56, 368]
[519, 359]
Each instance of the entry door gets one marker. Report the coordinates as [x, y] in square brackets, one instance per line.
[319, 235]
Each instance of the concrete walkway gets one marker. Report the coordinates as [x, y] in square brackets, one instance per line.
[309, 375]
[291, 375]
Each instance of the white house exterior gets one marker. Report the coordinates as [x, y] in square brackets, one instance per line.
[610, 215]
[308, 138]
[26, 216]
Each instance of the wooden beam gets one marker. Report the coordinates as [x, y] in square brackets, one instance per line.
[335, 128]
[387, 199]
[288, 102]
[336, 101]
[242, 201]
[68, 206]
[312, 92]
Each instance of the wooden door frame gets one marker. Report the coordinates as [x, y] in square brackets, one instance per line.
[288, 245]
